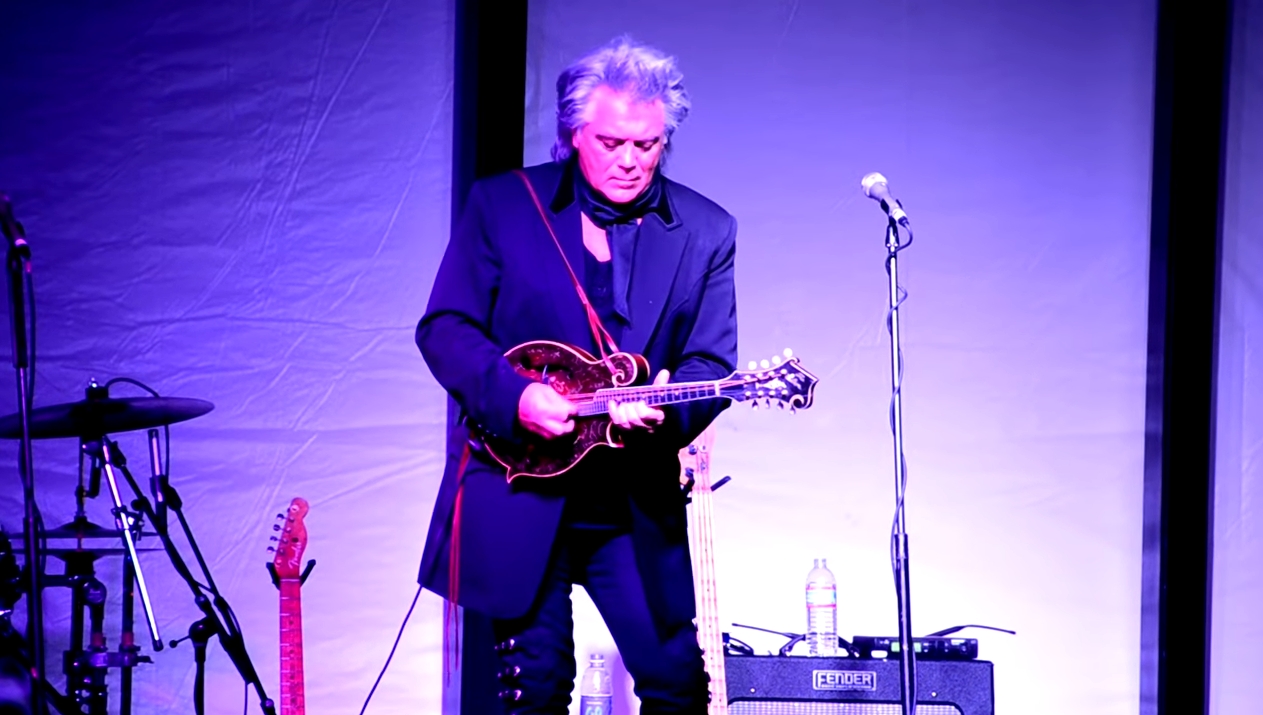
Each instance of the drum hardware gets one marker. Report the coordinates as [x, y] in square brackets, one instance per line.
[80, 529]
[217, 616]
[100, 414]
[92, 420]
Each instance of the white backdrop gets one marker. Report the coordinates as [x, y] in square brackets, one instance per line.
[1000, 127]
[246, 204]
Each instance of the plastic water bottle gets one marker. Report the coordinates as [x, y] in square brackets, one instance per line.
[596, 691]
[822, 610]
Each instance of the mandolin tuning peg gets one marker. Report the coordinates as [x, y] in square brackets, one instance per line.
[271, 549]
[276, 527]
[789, 353]
[765, 364]
[780, 404]
[793, 410]
[767, 403]
[776, 359]
[754, 403]
[273, 538]
[753, 365]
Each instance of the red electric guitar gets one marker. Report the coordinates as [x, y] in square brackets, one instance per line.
[695, 470]
[289, 579]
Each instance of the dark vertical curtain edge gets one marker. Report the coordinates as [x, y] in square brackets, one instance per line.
[1191, 76]
[488, 123]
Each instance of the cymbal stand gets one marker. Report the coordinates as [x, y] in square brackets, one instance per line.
[129, 653]
[106, 451]
[217, 616]
[105, 459]
[85, 681]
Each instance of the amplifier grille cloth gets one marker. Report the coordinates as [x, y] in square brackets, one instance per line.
[774, 707]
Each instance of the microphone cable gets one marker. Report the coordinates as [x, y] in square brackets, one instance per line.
[399, 636]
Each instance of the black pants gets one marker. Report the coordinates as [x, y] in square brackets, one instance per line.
[669, 675]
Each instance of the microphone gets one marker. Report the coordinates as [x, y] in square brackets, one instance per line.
[12, 229]
[875, 188]
[157, 481]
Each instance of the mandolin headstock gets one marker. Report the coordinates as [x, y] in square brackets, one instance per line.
[780, 380]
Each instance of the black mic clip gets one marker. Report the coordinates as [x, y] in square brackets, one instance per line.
[14, 232]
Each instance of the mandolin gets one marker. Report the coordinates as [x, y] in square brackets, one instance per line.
[695, 471]
[289, 552]
[593, 383]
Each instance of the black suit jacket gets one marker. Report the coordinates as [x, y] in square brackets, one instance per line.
[502, 283]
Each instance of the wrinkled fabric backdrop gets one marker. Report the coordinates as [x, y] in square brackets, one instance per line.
[246, 203]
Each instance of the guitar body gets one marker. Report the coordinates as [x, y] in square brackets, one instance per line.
[569, 371]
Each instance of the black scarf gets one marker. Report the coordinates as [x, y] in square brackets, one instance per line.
[620, 224]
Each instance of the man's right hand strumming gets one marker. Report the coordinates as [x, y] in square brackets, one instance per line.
[544, 412]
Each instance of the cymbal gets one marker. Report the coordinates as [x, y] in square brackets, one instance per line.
[67, 554]
[84, 529]
[96, 417]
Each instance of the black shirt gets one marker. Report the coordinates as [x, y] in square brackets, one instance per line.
[596, 497]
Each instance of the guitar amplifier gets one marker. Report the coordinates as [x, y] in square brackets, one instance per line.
[797, 685]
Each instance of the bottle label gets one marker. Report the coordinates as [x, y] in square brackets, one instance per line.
[595, 704]
[822, 596]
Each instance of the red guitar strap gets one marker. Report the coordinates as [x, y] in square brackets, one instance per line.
[599, 333]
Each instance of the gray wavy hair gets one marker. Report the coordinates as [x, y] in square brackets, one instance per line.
[623, 65]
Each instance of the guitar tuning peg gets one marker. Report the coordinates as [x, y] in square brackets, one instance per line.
[753, 365]
[789, 353]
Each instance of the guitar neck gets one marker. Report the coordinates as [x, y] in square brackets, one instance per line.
[292, 700]
[598, 403]
[709, 634]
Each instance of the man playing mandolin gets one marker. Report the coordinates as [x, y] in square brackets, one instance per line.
[599, 225]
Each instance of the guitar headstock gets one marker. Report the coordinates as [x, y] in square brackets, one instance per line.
[292, 540]
[783, 381]
[695, 461]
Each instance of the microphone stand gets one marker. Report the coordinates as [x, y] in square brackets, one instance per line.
[217, 616]
[18, 267]
[899, 533]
